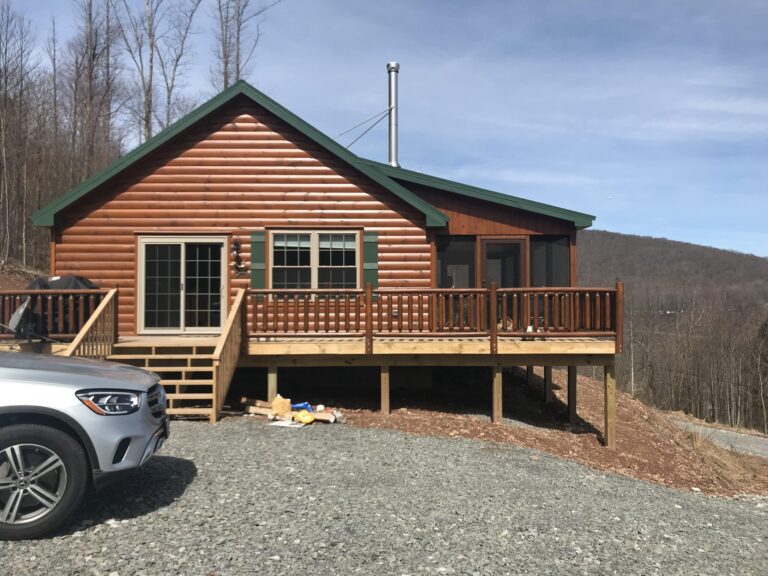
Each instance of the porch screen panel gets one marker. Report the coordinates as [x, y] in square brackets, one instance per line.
[202, 300]
[162, 286]
[455, 261]
[337, 261]
[550, 261]
[291, 261]
[503, 264]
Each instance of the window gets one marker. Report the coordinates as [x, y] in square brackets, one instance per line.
[291, 263]
[305, 260]
[337, 266]
[550, 261]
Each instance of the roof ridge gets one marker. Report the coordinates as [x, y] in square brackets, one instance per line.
[46, 215]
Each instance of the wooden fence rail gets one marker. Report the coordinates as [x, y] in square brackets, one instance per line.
[99, 334]
[56, 314]
[227, 353]
[496, 313]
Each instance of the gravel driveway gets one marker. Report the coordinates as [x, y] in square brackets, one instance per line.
[241, 497]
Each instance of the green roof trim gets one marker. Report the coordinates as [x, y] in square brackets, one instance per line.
[387, 176]
[46, 216]
[579, 219]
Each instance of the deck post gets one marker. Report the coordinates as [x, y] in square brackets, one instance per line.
[609, 378]
[528, 375]
[493, 314]
[619, 317]
[368, 318]
[385, 408]
[271, 383]
[547, 384]
[497, 409]
[572, 417]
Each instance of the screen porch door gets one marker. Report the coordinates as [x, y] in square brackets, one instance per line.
[502, 262]
[181, 285]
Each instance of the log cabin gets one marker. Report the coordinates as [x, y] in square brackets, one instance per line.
[243, 236]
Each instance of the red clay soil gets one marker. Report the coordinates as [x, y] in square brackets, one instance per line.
[649, 446]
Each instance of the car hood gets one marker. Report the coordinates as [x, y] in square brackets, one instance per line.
[77, 373]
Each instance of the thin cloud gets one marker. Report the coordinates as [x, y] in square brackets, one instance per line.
[524, 177]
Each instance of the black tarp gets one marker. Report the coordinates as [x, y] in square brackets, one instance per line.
[61, 283]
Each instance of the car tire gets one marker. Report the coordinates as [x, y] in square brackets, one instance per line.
[41, 498]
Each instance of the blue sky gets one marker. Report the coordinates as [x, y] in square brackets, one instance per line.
[652, 115]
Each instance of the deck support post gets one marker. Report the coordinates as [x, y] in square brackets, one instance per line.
[609, 379]
[368, 318]
[547, 384]
[385, 407]
[497, 409]
[572, 416]
[493, 318]
[271, 383]
[529, 376]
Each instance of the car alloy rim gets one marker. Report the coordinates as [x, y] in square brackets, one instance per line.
[32, 482]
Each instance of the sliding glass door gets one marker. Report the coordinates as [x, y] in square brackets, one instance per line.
[181, 284]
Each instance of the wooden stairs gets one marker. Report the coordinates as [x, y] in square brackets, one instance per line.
[195, 371]
[185, 367]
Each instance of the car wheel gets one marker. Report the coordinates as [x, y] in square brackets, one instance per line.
[43, 478]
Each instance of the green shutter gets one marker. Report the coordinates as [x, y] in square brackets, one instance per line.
[258, 255]
[371, 259]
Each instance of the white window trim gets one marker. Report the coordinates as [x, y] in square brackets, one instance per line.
[314, 255]
[168, 239]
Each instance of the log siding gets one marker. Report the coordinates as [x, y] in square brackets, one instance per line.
[239, 170]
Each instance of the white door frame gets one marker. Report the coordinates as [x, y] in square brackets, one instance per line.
[143, 240]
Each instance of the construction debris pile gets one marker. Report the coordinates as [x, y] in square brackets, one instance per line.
[283, 413]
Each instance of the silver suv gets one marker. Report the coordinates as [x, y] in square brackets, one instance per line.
[67, 424]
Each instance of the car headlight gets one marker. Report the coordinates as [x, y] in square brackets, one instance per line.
[109, 402]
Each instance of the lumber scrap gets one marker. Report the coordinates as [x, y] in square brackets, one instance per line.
[329, 417]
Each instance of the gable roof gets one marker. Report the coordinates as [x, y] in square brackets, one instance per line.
[45, 216]
[579, 219]
[389, 177]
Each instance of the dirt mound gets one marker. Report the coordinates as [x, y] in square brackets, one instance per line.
[16, 277]
[649, 446]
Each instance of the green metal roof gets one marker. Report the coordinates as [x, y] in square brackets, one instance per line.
[385, 175]
[579, 219]
[45, 216]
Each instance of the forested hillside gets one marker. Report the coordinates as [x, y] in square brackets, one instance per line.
[73, 101]
[696, 323]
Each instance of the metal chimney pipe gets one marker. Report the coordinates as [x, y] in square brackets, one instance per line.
[392, 69]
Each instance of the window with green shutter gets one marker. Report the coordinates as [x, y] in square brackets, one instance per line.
[328, 259]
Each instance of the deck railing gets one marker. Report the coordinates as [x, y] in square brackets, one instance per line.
[492, 312]
[310, 312]
[55, 314]
[227, 353]
[99, 334]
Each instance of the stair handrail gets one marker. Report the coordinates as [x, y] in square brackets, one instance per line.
[98, 335]
[227, 353]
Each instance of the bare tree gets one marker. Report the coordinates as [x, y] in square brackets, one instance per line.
[65, 107]
[16, 69]
[237, 35]
[139, 31]
[173, 56]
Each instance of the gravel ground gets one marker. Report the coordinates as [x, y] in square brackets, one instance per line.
[241, 497]
[736, 441]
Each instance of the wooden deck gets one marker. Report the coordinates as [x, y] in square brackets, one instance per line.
[455, 348]
[568, 327]
[143, 341]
